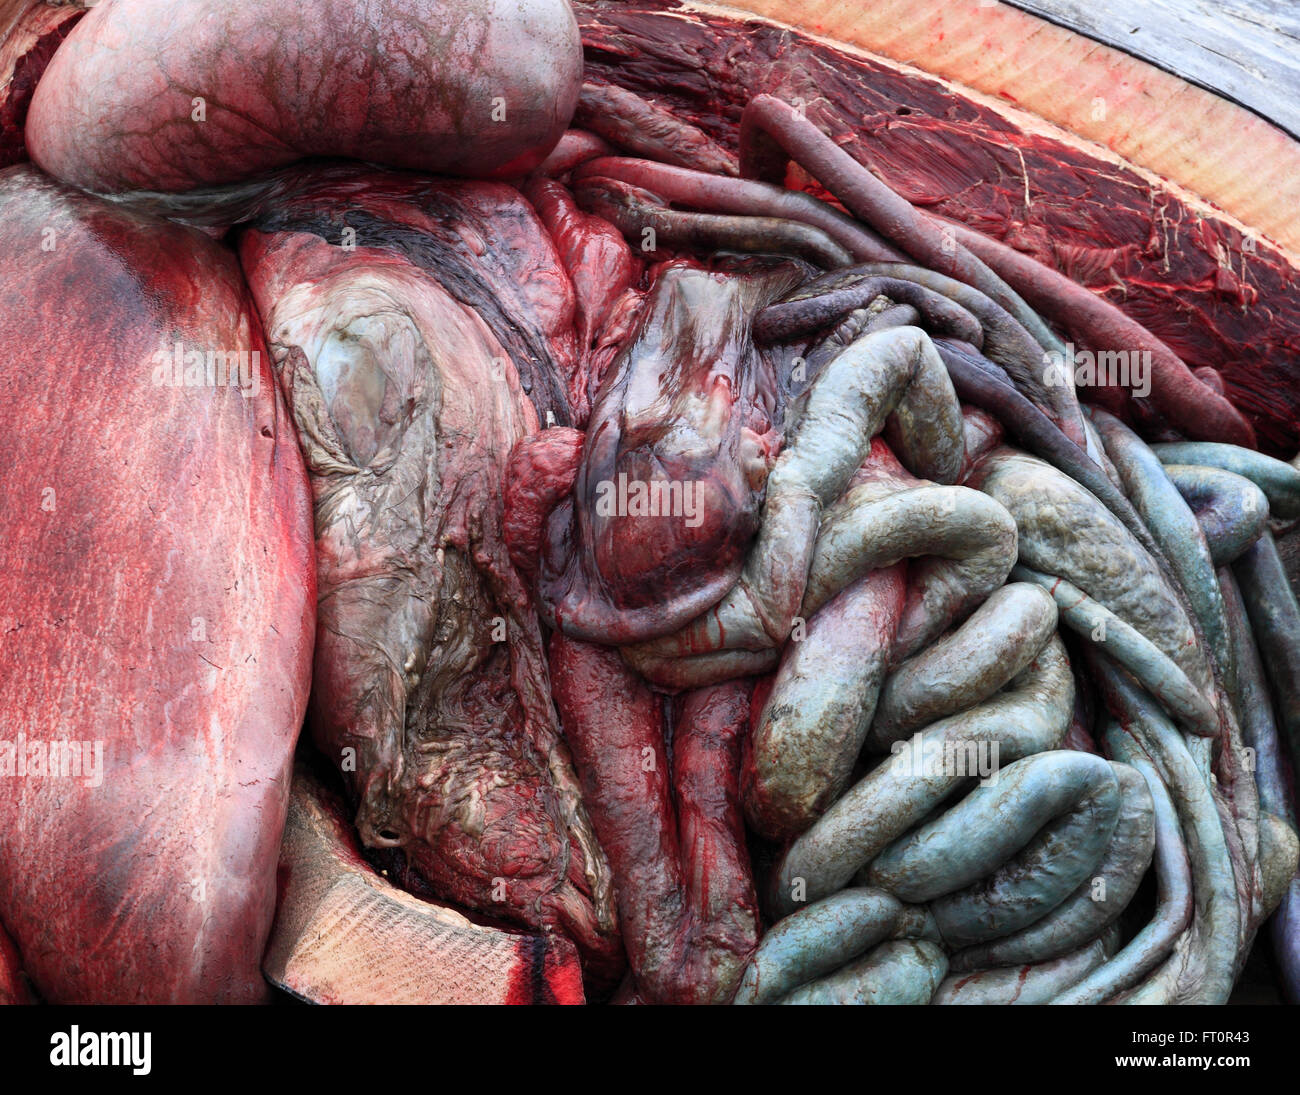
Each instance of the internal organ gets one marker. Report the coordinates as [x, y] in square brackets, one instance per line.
[673, 832]
[430, 688]
[154, 95]
[157, 601]
[685, 431]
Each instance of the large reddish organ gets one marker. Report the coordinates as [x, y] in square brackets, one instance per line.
[157, 601]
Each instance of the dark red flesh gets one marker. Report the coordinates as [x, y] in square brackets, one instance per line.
[28, 44]
[602, 269]
[709, 725]
[13, 982]
[541, 472]
[685, 894]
